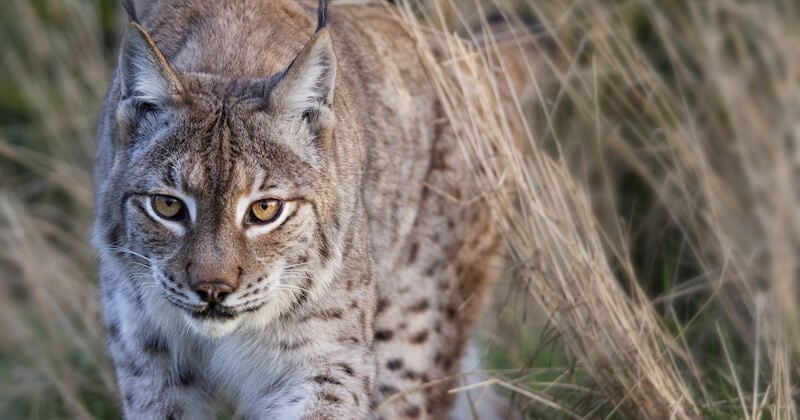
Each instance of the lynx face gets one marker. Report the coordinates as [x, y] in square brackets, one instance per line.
[222, 187]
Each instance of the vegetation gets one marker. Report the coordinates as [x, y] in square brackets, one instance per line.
[653, 233]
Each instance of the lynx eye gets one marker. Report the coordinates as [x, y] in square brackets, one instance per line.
[168, 207]
[265, 211]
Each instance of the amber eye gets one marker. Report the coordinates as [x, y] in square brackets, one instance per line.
[168, 207]
[265, 211]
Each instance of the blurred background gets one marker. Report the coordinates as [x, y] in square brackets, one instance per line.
[653, 248]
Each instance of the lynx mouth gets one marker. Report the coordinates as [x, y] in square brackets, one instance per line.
[211, 311]
[213, 321]
[214, 312]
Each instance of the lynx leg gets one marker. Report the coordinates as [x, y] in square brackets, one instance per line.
[151, 384]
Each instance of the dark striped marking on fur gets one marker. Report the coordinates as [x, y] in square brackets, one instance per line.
[322, 14]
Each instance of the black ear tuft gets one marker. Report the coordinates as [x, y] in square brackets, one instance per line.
[130, 9]
[322, 14]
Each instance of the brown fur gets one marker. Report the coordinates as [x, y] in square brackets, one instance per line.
[382, 175]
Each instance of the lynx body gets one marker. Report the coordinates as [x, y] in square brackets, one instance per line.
[284, 217]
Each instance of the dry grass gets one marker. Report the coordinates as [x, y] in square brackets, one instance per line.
[554, 244]
[52, 350]
[704, 119]
[655, 223]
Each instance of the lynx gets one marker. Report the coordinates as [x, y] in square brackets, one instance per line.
[283, 217]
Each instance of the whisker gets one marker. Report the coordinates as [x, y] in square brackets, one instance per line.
[293, 288]
[297, 265]
[141, 265]
[129, 251]
[295, 273]
[281, 280]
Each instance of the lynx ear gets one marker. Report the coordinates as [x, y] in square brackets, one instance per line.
[145, 75]
[308, 84]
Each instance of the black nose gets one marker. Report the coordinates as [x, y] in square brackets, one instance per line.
[213, 292]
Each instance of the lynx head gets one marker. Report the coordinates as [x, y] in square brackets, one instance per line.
[220, 203]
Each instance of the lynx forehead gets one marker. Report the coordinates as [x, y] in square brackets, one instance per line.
[274, 216]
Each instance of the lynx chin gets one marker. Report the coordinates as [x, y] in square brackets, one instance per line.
[276, 221]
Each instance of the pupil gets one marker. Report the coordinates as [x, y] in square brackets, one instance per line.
[265, 205]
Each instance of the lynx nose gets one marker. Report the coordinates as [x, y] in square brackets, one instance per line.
[214, 291]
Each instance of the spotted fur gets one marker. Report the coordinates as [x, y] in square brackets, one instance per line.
[359, 301]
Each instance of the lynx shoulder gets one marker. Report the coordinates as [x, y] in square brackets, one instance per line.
[278, 216]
